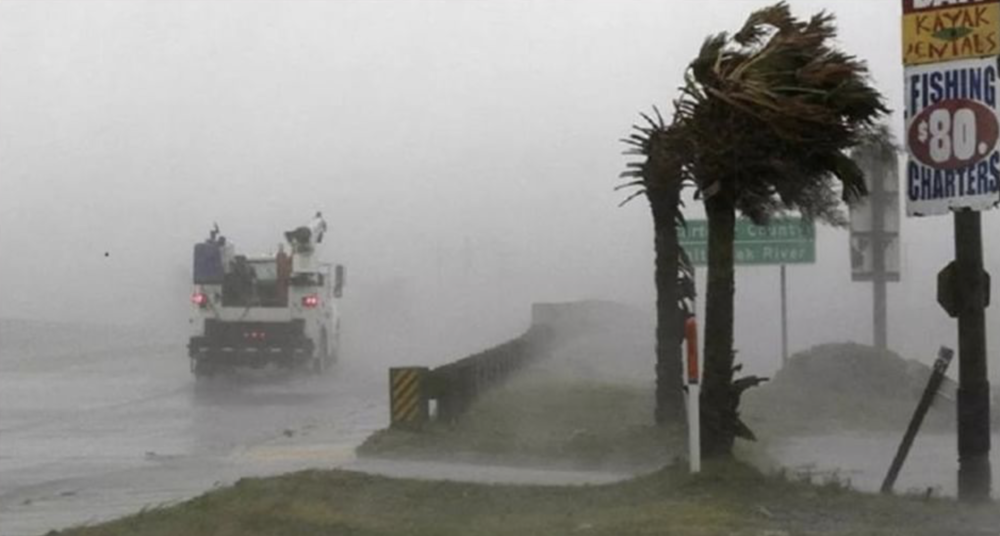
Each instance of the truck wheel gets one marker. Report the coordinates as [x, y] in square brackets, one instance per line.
[201, 370]
[317, 365]
[335, 351]
[322, 360]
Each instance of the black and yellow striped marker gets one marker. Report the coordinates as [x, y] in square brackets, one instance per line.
[407, 403]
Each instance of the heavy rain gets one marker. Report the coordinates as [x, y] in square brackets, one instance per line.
[283, 267]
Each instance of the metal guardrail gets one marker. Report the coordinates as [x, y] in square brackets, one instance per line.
[455, 386]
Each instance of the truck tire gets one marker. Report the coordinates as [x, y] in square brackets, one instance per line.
[201, 370]
[318, 365]
[321, 361]
[335, 351]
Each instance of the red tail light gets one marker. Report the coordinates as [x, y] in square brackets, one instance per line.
[199, 299]
[310, 301]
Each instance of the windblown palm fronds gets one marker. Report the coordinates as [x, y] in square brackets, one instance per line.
[662, 167]
[772, 110]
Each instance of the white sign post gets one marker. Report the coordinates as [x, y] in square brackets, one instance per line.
[691, 377]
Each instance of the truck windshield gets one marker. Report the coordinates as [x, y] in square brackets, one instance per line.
[265, 270]
[254, 284]
[307, 279]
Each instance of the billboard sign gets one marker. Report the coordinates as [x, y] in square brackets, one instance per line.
[862, 254]
[782, 241]
[952, 130]
[864, 226]
[936, 31]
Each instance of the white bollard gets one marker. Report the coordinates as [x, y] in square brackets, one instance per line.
[694, 426]
[692, 377]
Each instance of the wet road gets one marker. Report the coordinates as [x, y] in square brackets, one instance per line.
[90, 434]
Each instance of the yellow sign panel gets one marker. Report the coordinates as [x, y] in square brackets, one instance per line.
[938, 35]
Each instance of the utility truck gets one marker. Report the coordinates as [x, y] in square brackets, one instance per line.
[255, 311]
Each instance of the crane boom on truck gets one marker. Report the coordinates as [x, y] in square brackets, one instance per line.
[254, 311]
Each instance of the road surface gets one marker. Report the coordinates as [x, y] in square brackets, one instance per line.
[90, 433]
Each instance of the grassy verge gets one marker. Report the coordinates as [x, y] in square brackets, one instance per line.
[539, 419]
[726, 499]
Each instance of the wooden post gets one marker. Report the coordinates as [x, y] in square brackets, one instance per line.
[974, 473]
[933, 384]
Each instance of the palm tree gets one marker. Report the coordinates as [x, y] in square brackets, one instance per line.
[766, 117]
[660, 176]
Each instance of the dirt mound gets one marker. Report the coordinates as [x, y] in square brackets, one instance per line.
[846, 386]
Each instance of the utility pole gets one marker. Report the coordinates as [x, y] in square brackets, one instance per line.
[971, 287]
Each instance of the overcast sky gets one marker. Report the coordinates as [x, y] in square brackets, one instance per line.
[464, 154]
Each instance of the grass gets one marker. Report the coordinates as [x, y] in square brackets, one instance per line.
[728, 498]
[539, 419]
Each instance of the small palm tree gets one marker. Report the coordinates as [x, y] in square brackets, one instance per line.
[765, 119]
[660, 176]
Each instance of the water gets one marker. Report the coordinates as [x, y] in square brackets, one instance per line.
[862, 460]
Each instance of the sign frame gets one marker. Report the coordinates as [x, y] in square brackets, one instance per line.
[785, 240]
[947, 106]
[936, 31]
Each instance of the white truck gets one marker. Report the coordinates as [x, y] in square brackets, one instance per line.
[279, 309]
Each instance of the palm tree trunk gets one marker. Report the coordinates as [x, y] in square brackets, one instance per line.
[669, 382]
[719, 400]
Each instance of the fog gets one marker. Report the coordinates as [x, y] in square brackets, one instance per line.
[463, 153]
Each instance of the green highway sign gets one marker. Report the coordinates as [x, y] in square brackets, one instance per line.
[782, 241]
